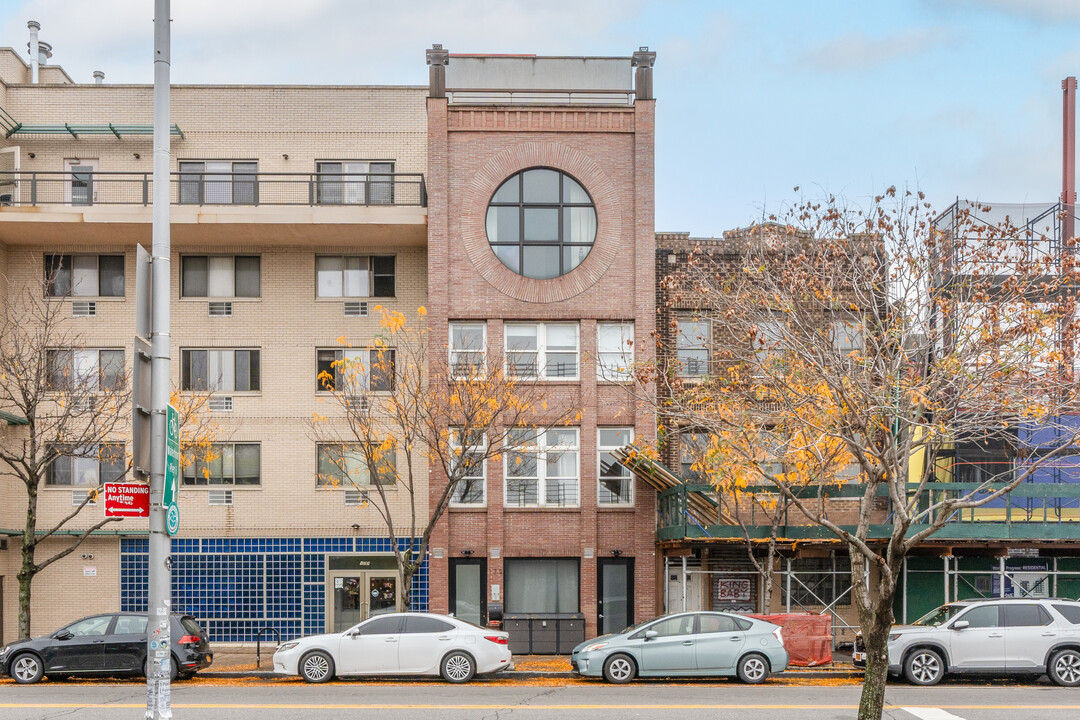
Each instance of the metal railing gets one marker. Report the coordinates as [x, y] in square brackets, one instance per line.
[81, 189]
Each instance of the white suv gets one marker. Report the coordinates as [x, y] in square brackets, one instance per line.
[1021, 636]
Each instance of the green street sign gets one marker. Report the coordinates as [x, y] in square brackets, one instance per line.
[172, 471]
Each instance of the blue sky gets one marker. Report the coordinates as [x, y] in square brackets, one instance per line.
[954, 97]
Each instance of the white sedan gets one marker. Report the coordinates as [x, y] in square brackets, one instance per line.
[398, 644]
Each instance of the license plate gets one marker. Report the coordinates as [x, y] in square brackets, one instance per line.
[858, 657]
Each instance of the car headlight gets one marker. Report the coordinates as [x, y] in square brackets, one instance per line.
[594, 646]
[894, 637]
[4, 650]
[286, 646]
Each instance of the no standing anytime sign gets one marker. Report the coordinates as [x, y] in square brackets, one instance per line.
[127, 500]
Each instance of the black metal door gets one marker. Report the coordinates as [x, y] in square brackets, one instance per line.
[614, 594]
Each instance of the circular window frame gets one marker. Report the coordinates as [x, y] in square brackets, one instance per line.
[561, 205]
[612, 220]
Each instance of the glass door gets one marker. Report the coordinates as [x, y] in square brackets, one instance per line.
[615, 594]
[80, 182]
[350, 601]
[382, 594]
[468, 579]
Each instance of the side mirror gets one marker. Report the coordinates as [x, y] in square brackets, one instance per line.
[63, 635]
[650, 634]
[960, 624]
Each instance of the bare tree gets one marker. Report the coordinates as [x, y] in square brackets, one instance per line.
[872, 343]
[402, 407]
[64, 403]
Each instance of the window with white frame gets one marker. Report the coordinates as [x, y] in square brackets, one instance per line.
[355, 276]
[769, 339]
[226, 464]
[468, 348]
[86, 466]
[355, 182]
[615, 351]
[344, 465]
[847, 334]
[356, 370]
[692, 350]
[84, 275]
[542, 468]
[693, 446]
[616, 483]
[219, 370]
[469, 454]
[220, 276]
[219, 182]
[89, 370]
[542, 350]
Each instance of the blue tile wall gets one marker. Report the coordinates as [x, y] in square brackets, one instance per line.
[237, 586]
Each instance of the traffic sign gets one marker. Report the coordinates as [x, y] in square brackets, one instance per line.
[172, 470]
[127, 500]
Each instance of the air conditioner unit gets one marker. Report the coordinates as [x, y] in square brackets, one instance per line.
[83, 308]
[355, 497]
[356, 309]
[219, 497]
[220, 403]
[357, 402]
[82, 404]
[77, 497]
[219, 309]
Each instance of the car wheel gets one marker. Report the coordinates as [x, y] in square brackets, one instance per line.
[753, 669]
[619, 669]
[924, 667]
[27, 668]
[458, 667]
[317, 667]
[174, 669]
[1065, 668]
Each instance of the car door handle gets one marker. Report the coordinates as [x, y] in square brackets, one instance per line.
[688, 642]
[1049, 634]
[99, 642]
[995, 635]
[391, 639]
[736, 639]
[444, 637]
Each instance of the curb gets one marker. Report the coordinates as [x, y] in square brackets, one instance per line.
[529, 675]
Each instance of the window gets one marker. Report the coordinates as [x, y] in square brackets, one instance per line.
[670, 627]
[87, 370]
[1025, 615]
[708, 623]
[471, 489]
[1069, 612]
[616, 482]
[342, 465]
[692, 349]
[847, 335]
[226, 464]
[542, 467]
[547, 350]
[615, 351]
[468, 344]
[223, 276]
[355, 182]
[219, 182]
[90, 627]
[821, 581]
[692, 449]
[354, 276]
[421, 624]
[542, 585]
[381, 626]
[130, 625]
[770, 335]
[84, 275]
[86, 467]
[541, 223]
[219, 370]
[984, 616]
[355, 370]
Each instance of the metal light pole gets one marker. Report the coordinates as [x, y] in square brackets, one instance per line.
[159, 635]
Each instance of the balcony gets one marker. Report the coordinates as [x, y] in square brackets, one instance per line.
[270, 208]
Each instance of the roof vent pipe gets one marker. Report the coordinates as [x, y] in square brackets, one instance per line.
[99, 77]
[34, 26]
[44, 52]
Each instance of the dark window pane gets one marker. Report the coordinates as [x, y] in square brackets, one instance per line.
[245, 189]
[1070, 613]
[194, 365]
[324, 370]
[247, 276]
[381, 626]
[60, 369]
[191, 180]
[58, 275]
[242, 380]
[382, 370]
[59, 471]
[111, 276]
[982, 617]
[383, 271]
[194, 275]
[1024, 616]
[246, 464]
[708, 623]
[329, 187]
[112, 369]
[113, 465]
[414, 624]
[535, 585]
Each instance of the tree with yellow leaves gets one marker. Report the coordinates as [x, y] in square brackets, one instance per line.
[405, 416]
[855, 348]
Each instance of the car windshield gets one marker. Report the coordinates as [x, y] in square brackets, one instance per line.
[635, 626]
[943, 614]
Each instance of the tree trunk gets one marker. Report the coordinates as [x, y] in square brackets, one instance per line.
[25, 577]
[872, 701]
[406, 572]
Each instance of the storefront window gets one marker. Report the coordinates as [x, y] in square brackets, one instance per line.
[542, 585]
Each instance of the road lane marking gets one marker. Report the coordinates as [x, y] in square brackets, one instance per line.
[930, 713]
[658, 706]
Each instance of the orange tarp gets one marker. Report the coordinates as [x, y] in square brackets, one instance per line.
[807, 637]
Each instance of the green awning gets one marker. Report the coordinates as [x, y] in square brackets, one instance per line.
[12, 419]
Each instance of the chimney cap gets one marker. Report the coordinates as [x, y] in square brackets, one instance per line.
[33, 25]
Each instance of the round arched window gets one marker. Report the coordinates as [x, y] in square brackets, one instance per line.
[541, 223]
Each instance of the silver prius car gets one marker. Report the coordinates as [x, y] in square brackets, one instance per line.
[398, 644]
[686, 644]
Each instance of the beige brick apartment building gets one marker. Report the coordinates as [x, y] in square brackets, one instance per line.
[275, 258]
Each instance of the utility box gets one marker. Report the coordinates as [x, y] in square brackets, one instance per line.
[545, 633]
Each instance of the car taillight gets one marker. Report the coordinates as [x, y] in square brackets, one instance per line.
[779, 636]
[188, 640]
[498, 639]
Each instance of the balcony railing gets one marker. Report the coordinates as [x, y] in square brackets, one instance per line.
[81, 189]
[1029, 511]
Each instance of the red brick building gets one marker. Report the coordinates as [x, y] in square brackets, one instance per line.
[541, 248]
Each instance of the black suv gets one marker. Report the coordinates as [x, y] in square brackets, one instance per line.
[111, 644]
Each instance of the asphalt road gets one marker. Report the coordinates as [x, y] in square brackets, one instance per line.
[543, 700]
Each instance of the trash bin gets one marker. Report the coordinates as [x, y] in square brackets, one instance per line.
[545, 633]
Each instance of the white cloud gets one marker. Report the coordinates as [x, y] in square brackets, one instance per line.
[858, 52]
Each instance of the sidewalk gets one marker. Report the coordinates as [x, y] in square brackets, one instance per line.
[238, 660]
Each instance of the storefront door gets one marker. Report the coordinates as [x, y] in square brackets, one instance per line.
[359, 587]
[615, 592]
[468, 579]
